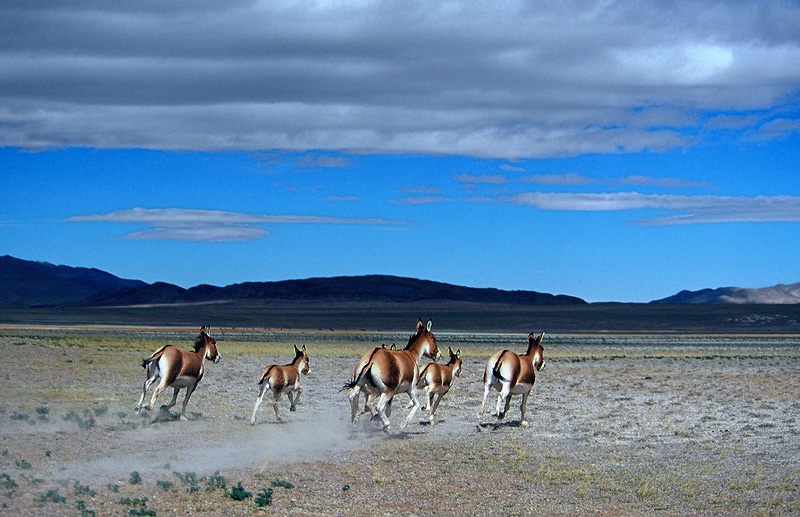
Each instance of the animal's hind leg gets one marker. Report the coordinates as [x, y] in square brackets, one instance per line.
[412, 393]
[505, 408]
[147, 383]
[380, 408]
[259, 398]
[523, 409]
[275, 404]
[432, 410]
[353, 398]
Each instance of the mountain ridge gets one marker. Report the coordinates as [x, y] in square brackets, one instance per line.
[27, 284]
[781, 294]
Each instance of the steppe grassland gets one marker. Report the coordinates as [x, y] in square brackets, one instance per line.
[624, 423]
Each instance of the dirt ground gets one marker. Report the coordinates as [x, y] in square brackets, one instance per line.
[620, 425]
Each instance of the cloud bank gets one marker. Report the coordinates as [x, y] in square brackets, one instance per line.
[693, 209]
[505, 80]
[211, 225]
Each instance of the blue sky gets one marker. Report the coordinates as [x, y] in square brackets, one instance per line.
[609, 151]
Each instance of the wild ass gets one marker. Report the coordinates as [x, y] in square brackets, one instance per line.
[382, 373]
[283, 379]
[513, 374]
[436, 379]
[178, 369]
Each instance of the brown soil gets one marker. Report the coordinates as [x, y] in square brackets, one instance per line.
[618, 425]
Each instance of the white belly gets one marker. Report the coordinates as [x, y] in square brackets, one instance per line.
[183, 382]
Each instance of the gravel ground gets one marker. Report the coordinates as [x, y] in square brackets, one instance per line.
[622, 425]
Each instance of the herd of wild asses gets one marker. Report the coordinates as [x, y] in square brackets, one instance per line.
[380, 374]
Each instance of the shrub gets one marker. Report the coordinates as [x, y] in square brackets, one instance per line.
[238, 492]
[134, 478]
[53, 496]
[216, 481]
[79, 489]
[281, 483]
[264, 498]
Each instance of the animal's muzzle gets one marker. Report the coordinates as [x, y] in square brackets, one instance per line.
[217, 359]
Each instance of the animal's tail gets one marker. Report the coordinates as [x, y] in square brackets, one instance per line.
[496, 367]
[354, 382]
[156, 355]
[364, 370]
[266, 374]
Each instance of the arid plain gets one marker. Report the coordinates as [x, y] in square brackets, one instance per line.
[619, 424]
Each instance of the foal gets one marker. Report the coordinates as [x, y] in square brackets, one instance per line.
[177, 369]
[436, 379]
[513, 374]
[283, 379]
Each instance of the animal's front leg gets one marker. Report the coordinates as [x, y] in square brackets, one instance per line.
[174, 399]
[294, 402]
[189, 392]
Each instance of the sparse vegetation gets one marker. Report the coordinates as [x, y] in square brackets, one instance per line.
[621, 424]
[135, 478]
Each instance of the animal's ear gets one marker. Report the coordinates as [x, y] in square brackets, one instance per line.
[304, 349]
[419, 324]
[458, 353]
[428, 326]
[296, 350]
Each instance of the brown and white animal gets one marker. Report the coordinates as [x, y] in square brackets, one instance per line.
[436, 379]
[383, 373]
[283, 379]
[177, 369]
[513, 374]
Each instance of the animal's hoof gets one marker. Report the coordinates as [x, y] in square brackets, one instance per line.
[253, 421]
[292, 408]
[184, 419]
[524, 423]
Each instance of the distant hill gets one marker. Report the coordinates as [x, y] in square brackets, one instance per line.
[27, 284]
[779, 294]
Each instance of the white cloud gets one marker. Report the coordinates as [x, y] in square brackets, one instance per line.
[506, 80]
[574, 179]
[211, 225]
[693, 209]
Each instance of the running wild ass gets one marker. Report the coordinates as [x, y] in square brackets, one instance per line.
[177, 369]
[283, 379]
[383, 373]
[436, 379]
[513, 374]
